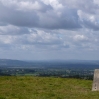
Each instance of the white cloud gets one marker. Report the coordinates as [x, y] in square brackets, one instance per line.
[13, 30]
[5, 39]
[29, 6]
[25, 5]
[52, 14]
[35, 37]
[80, 38]
[38, 14]
[54, 28]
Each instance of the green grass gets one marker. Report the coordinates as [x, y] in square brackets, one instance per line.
[29, 87]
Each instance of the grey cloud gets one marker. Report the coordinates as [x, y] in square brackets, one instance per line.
[47, 15]
[3, 24]
[41, 39]
[34, 37]
[91, 25]
[85, 41]
[18, 18]
[5, 47]
[44, 6]
[87, 6]
[55, 28]
[67, 20]
[13, 30]
[24, 5]
[45, 42]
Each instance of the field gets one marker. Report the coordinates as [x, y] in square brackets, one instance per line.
[29, 87]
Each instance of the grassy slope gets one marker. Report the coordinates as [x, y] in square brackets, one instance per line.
[28, 87]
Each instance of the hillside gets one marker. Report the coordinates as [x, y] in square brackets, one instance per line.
[29, 87]
[9, 63]
[72, 64]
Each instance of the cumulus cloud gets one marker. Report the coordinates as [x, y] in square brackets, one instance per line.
[42, 27]
[18, 18]
[26, 5]
[32, 14]
[33, 38]
[13, 30]
[80, 38]
[52, 14]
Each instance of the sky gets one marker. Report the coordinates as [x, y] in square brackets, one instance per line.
[49, 29]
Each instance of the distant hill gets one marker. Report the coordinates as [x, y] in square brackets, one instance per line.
[9, 62]
[76, 64]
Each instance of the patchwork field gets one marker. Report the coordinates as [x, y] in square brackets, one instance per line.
[29, 87]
